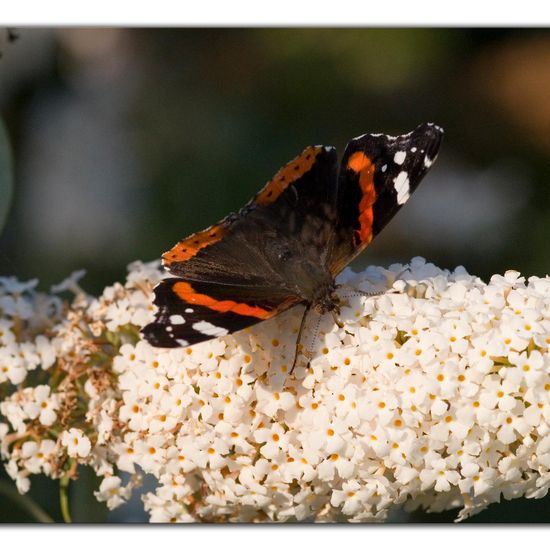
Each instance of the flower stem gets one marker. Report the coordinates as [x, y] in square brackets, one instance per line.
[64, 498]
[25, 503]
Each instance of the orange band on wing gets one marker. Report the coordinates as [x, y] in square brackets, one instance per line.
[361, 164]
[287, 175]
[187, 293]
[187, 248]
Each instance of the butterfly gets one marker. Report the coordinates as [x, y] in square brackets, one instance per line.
[287, 245]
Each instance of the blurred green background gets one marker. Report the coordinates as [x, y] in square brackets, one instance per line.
[127, 140]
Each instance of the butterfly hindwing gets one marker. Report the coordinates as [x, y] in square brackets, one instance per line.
[189, 314]
[378, 173]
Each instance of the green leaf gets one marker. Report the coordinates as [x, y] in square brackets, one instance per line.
[6, 175]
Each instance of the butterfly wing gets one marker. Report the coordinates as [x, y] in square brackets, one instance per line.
[189, 314]
[378, 173]
[246, 268]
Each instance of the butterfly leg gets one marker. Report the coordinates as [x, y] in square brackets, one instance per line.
[299, 338]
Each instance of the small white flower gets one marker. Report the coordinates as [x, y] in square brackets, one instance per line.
[274, 440]
[16, 306]
[11, 285]
[42, 406]
[78, 445]
[46, 351]
[269, 402]
[439, 476]
[70, 283]
[527, 368]
[11, 366]
[150, 453]
[112, 493]
[478, 480]
[498, 393]
[21, 477]
[511, 425]
[36, 456]
[352, 498]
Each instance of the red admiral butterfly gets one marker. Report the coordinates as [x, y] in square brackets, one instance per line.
[286, 246]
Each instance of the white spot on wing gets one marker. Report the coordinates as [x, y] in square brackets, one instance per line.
[401, 185]
[204, 327]
[384, 168]
[189, 310]
[177, 319]
[428, 162]
[399, 157]
[182, 342]
[413, 149]
[390, 138]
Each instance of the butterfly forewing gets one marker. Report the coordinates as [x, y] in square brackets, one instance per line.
[378, 174]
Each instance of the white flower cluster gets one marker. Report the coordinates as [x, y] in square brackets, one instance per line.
[435, 393]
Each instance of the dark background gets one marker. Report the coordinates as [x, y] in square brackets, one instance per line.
[127, 140]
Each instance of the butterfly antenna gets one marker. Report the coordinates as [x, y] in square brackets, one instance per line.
[370, 293]
[358, 292]
[299, 338]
